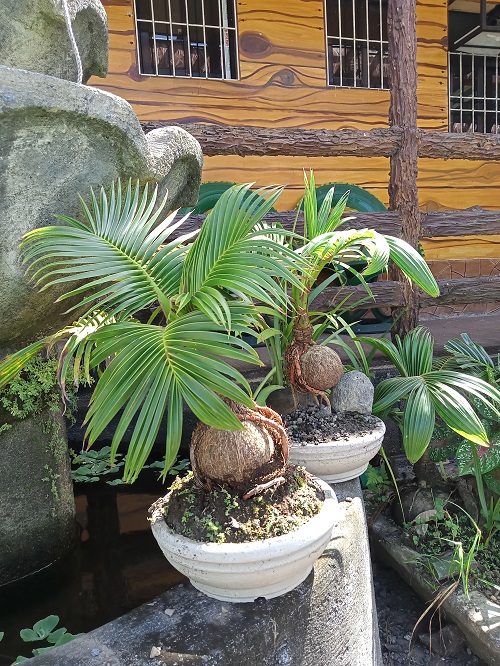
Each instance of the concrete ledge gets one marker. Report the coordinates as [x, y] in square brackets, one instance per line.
[329, 619]
[477, 617]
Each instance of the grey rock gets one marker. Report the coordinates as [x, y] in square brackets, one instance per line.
[59, 139]
[353, 393]
[33, 36]
[37, 507]
[415, 501]
[448, 642]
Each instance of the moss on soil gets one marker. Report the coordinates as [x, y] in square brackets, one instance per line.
[221, 516]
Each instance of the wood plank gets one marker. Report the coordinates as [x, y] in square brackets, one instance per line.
[274, 141]
[432, 64]
[467, 247]
[390, 294]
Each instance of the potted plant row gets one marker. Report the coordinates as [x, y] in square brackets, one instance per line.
[242, 503]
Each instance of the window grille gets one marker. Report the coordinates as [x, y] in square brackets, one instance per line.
[187, 38]
[474, 89]
[356, 43]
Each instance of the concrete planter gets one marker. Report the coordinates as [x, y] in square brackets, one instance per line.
[243, 572]
[339, 461]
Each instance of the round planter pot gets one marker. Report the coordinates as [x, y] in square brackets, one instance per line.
[242, 572]
[339, 461]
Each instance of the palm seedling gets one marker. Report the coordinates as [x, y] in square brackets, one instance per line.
[427, 387]
[124, 258]
[310, 365]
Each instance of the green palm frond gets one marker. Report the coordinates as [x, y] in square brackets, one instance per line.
[412, 265]
[428, 391]
[233, 251]
[155, 368]
[325, 219]
[469, 355]
[119, 254]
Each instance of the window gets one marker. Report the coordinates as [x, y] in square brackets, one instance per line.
[474, 93]
[356, 43]
[193, 38]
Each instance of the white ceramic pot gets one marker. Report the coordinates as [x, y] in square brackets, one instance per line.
[242, 572]
[341, 460]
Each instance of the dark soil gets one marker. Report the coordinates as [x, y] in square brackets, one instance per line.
[221, 516]
[315, 425]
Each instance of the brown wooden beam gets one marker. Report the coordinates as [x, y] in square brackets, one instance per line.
[390, 294]
[451, 146]
[403, 192]
[246, 141]
[435, 223]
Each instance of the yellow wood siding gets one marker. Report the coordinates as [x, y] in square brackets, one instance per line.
[283, 84]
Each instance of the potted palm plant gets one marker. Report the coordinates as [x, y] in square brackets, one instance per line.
[123, 258]
[300, 354]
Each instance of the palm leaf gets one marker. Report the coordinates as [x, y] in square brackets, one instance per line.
[155, 368]
[119, 255]
[388, 349]
[412, 265]
[418, 423]
[231, 253]
[455, 410]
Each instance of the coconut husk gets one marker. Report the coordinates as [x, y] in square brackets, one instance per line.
[240, 458]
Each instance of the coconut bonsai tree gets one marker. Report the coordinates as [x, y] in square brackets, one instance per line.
[123, 259]
[298, 356]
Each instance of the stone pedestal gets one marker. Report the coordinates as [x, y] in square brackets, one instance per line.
[37, 508]
[328, 620]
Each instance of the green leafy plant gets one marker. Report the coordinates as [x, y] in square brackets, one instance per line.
[45, 630]
[482, 463]
[309, 367]
[34, 389]
[426, 388]
[91, 466]
[378, 482]
[447, 548]
[124, 260]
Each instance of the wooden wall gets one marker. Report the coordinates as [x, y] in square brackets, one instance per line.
[283, 84]
[283, 73]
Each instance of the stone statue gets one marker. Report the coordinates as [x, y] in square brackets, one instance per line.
[59, 138]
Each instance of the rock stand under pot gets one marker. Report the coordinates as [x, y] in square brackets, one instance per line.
[328, 620]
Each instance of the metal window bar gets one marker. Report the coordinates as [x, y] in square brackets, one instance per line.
[359, 47]
[381, 33]
[482, 106]
[222, 26]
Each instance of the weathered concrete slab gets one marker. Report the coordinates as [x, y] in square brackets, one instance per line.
[477, 617]
[329, 620]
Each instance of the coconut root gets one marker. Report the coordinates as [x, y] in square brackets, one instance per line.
[257, 419]
[266, 417]
[278, 481]
[302, 340]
